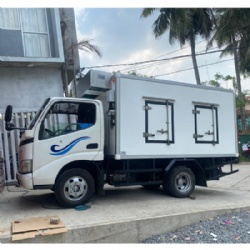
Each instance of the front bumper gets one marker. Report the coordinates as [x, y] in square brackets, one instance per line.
[25, 180]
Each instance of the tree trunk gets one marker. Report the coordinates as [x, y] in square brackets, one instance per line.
[238, 81]
[196, 71]
[74, 71]
[65, 79]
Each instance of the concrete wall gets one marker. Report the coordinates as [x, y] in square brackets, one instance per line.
[26, 81]
[26, 88]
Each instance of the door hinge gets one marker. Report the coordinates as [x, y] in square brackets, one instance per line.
[196, 112]
[146, 107]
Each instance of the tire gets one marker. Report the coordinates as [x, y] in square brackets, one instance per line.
[74, 187]
[179, 182]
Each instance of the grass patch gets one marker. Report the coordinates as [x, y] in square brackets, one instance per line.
[244, 158]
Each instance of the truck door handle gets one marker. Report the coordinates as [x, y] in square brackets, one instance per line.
[92, 146]
[148, 135]
[195, 136]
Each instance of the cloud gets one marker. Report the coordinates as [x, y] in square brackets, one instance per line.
[124, 37]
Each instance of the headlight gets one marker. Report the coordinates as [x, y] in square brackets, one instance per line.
[25, 167]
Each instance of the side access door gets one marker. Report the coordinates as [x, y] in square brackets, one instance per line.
[159, 124]
[206, 123]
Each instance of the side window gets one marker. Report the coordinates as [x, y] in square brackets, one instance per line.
[67, 117]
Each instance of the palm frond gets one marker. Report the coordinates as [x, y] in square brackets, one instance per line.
[88, 47]
[147, 12]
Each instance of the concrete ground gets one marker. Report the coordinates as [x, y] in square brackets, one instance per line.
[127, 214]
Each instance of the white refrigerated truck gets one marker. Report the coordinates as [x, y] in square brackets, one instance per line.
[128, 130]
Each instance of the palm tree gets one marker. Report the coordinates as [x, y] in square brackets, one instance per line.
[244, 51]
[184, 25]
[84, 45]
[232, 32]
[71, 47]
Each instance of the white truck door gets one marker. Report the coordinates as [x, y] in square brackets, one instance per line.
[206, 124]
[69, 132]
[159, 122]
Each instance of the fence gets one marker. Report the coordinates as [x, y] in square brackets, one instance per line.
[2, 175]
[9, 142]
[244, 138]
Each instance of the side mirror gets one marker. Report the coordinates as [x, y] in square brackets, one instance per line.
[9, 126]
[8, 113]
[8, 116]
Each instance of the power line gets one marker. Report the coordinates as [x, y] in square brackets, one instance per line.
[204, 65]
[134, 68]
[151, 61]
[154, 64]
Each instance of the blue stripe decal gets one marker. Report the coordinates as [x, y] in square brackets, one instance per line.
[67, 148]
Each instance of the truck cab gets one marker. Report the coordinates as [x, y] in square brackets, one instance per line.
[56, 150]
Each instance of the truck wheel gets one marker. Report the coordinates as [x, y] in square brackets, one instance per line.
[179, 182]
[74, 187]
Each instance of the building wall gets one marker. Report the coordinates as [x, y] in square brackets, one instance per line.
[25, 81]
[26, 88]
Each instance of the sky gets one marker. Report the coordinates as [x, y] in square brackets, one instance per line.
[125, 38]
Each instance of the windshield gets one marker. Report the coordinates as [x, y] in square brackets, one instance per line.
[65, 117]
[33, 122]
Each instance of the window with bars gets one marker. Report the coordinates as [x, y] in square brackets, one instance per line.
[33, 30]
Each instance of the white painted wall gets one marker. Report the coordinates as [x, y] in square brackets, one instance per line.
[26, 88]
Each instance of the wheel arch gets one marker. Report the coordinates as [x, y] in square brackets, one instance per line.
[90, 167]
[194, 166]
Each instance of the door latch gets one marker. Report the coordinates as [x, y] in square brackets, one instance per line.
[195, 136]
[148, 135]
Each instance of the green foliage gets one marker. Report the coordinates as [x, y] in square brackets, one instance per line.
[232, 25]
[218, 77]
[184, 25]
[215, 83]
[134, 73]
[244, 158]
[181, 22]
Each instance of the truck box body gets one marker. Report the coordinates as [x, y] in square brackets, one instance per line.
[164, 119]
